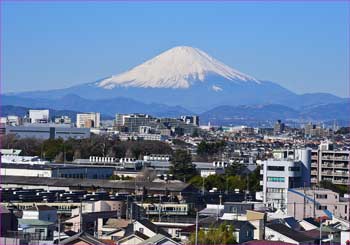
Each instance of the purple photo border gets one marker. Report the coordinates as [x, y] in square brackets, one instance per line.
[170, 1]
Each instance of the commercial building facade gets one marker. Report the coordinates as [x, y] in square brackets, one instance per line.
[280, 174]
[47, 131]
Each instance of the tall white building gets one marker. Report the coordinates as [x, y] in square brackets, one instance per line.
[88, 120]
[39, 116]
[282, 173]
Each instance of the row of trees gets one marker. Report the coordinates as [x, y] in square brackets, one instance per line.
[208, 151]
[56, 149]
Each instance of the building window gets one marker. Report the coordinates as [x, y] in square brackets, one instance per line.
[141, 230]
[275, 168]
[321, 196]
[275, 179]
[294, 169]
[275, 190]
[322, 207]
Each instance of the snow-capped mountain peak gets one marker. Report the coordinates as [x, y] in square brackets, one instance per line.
[179, 67]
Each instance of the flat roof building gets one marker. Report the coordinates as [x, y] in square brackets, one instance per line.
[48, 131]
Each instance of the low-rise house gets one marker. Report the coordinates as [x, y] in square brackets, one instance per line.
[243, 230]
[159, 240]
[41, 212]
[83, 238]
[148, 228]
[38, 229]
[133, 238]
[282, 233]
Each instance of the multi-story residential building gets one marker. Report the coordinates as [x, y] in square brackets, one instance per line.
[316, 202]
[88, 120]
[313, 130]
[39, 116]
[133, 122]
[330, 164]
[284, 172]
[278, 127]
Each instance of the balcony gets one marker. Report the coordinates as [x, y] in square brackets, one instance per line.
[341, 182]
[345, 174]
[314, 172]
[344, 166]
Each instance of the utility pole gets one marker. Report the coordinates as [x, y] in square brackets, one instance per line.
[320, 231]
[304, 203]
[294, 209]
[127, 207]
[196, 241]
[59, 229]
[203, 187]
[159, 208]
[314, 205]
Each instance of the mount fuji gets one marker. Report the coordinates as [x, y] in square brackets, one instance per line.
[187, 77]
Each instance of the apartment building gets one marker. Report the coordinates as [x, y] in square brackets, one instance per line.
[330, 164]
[88, 120]
[133, 122]
[316, 202]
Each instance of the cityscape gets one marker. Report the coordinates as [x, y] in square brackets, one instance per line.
[177, 147]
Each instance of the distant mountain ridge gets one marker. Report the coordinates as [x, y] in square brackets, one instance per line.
[184, 78]
[108, 107]
[221, 115]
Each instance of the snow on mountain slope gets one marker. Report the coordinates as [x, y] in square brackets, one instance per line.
[178, 67]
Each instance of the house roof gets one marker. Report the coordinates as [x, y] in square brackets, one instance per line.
[117, 223]
[137, 234]
[315, 233]
[102, 183]
[157, 238]
[264, 242]
[156, 229]
[286, 231]
[83, 236]
[312, 221]
[34, 222]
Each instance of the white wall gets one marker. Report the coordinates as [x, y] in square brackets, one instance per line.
[25, 172]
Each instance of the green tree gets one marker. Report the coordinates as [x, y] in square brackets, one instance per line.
[181, 166]
[197, 181]
[254, 180]
[223, 234]
[215, 181]
[236, 182]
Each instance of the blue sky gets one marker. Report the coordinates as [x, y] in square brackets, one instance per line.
[302, 46]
